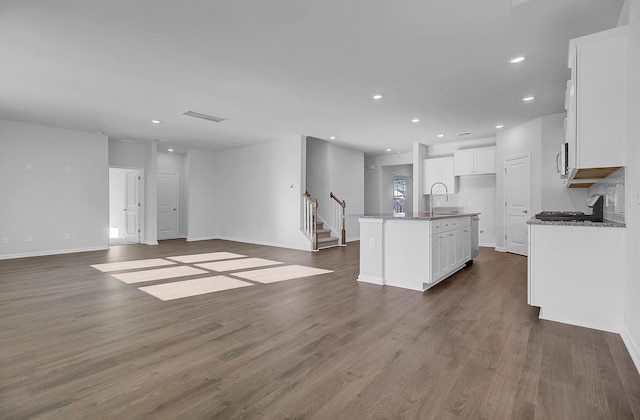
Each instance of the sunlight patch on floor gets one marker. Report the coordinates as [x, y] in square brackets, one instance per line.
[211, 256]
[132, 265]
[276, 274]
[187, 288]
[157, 274]
[240, 264]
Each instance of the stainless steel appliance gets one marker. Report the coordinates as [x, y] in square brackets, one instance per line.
[475, 220]
[562, 160]
[596, 202]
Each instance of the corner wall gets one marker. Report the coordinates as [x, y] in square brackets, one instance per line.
[55, 190]
[631, 330]
[259, 194]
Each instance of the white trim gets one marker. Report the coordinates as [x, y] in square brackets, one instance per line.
[488, 245]
[248, 241]
[578, 323]
[53, 252]
[373, 280]
[150, 242]
[201, 238]
[632, 348]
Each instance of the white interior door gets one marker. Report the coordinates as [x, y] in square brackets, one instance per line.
[167, 206]
[517, 189]
[132, 206]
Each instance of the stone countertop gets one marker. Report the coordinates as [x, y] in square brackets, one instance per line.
[423, 215]
[587, 223]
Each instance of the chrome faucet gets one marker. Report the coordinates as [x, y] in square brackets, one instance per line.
[446, 196]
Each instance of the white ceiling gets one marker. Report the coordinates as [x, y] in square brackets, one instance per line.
[280, 68]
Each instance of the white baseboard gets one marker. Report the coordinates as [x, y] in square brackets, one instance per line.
[370, 279]
[632, 348]
[201, 238]
[274, 244]
[488, 245]
[150, 242]
[356, 238]
[500, 249]
[53, 252]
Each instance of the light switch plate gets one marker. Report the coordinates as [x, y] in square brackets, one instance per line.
[372, 242]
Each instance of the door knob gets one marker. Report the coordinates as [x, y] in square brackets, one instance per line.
[525, 211]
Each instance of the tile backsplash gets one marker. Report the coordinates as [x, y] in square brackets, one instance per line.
[612, 188]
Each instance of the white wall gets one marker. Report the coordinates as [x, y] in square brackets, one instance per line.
[55, 182]
[174, 163]
[207, 190]
[631, 331]
[124, 154]
[117, 191]
[373, 179]
[260, 193]
[337, 169]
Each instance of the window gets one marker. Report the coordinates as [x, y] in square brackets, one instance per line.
[399, 184]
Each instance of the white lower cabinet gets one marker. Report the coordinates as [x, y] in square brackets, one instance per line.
[576, 275]
[450, 246]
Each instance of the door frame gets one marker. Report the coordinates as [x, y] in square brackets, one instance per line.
[176, 178]
[504, 192]
[141, 197]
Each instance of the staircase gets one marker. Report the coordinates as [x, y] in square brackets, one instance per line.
[325, 240]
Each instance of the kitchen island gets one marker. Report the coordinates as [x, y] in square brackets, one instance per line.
[415, 250]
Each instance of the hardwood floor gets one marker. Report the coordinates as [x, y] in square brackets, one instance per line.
[78, 343]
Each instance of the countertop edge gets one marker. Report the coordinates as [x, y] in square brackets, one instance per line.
[409, 217]
[606, 223]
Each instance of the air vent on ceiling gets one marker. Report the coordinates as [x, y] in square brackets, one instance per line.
[516, 3]
[203, 116]
[464, 134]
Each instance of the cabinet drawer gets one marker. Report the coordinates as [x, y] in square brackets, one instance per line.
[436, 226]
[454, 223]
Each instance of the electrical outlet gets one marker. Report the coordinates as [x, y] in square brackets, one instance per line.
[29, 238]
[67, 236]
[372, 242]
[67, 169]
[29, 166]
[5, 240]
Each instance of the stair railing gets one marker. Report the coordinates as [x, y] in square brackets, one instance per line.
[337, 215]
[310, 217]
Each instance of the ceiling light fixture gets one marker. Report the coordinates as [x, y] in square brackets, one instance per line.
[388, 150]
[378, 96]
[415, 120]
[202, 116]
[518, 59]
[332, 137]
[440, 135]
[499, 126]
[528, 98]
[155, 121]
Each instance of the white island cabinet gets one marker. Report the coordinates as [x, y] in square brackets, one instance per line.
[576, 271]
[415, 251]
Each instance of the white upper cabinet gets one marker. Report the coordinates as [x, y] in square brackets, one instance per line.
[595, 103]
[475, 161]
[438, 170]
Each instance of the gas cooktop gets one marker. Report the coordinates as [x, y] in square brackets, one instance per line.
[566, 216]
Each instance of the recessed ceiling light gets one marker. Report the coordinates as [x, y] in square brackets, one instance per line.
[415, 120]
[399, 151]
[528, 98]
[499, 126]
[388, 150]
[518, 59]
[332, 137]
[378, 96]
[171, 150]
[440, 135]
[155, 121]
